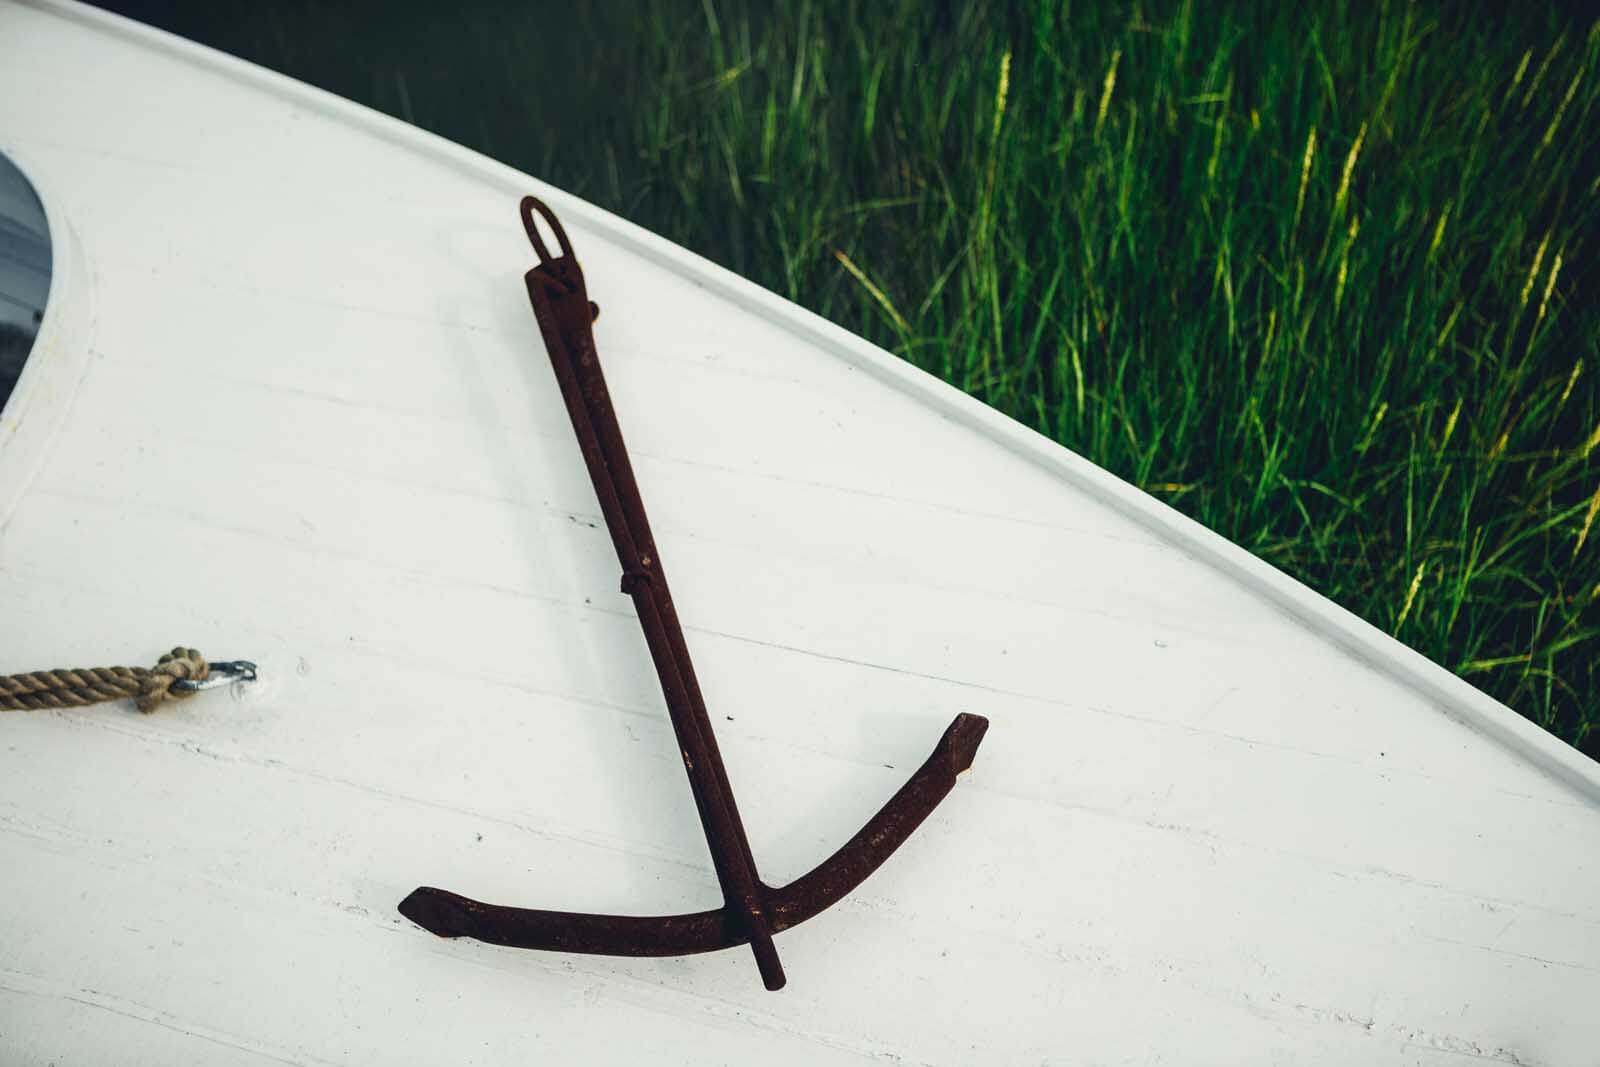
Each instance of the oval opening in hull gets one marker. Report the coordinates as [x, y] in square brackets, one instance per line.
[25, 263]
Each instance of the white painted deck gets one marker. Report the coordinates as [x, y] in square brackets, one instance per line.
[292, 406]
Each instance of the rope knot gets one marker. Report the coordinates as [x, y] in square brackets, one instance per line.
[180, 673]
[181, 664]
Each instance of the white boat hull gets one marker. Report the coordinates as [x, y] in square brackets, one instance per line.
[290, 405]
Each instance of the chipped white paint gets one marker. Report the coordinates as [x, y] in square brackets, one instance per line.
[1216, 821]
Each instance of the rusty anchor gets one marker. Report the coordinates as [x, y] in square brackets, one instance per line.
[752, 911]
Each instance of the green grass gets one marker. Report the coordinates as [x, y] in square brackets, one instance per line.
[1322, 276]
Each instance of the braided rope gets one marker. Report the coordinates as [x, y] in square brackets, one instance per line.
[148, 687]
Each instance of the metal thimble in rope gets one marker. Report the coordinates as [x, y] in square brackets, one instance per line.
[180, 673]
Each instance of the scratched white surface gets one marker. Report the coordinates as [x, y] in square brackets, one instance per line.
[305, 418]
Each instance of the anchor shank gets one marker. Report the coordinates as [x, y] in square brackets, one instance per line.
[562, 308]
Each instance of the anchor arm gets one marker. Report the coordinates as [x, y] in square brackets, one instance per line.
[452, 915]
